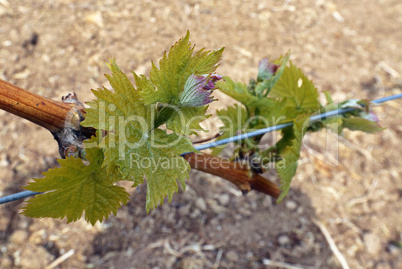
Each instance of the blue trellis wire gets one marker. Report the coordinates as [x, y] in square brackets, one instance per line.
[25, 194]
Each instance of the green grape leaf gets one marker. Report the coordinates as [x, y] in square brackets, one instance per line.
[155, 156]
[134, 148]
[329, 99]
[240, 92]
[234, 119]
[289, 152]
[109, 106]
[176, 67]
[278, 113]
[270, 73]
[334, 124]
[75, 188]
[187, 120]
[168, 82]
[298, 91]
[361, 124]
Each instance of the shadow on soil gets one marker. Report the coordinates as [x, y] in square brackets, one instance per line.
[201, 228]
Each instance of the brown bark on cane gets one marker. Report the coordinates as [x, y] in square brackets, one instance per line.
[62, 119]
[238, 174]
[35, 108]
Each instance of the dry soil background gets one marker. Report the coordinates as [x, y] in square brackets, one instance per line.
[350, 48]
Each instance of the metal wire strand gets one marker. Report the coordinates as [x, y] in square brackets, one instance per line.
[25, 194]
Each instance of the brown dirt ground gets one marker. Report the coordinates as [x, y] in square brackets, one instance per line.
[350, 48]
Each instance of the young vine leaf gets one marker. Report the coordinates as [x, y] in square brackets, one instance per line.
[234, 119]
[75, 188]
[281, 93]
[361, 124]
[298, 91]
[269, 73]
[362, 120]
[289, 151]
[240, 92]
[134, 147]
[179, 85]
